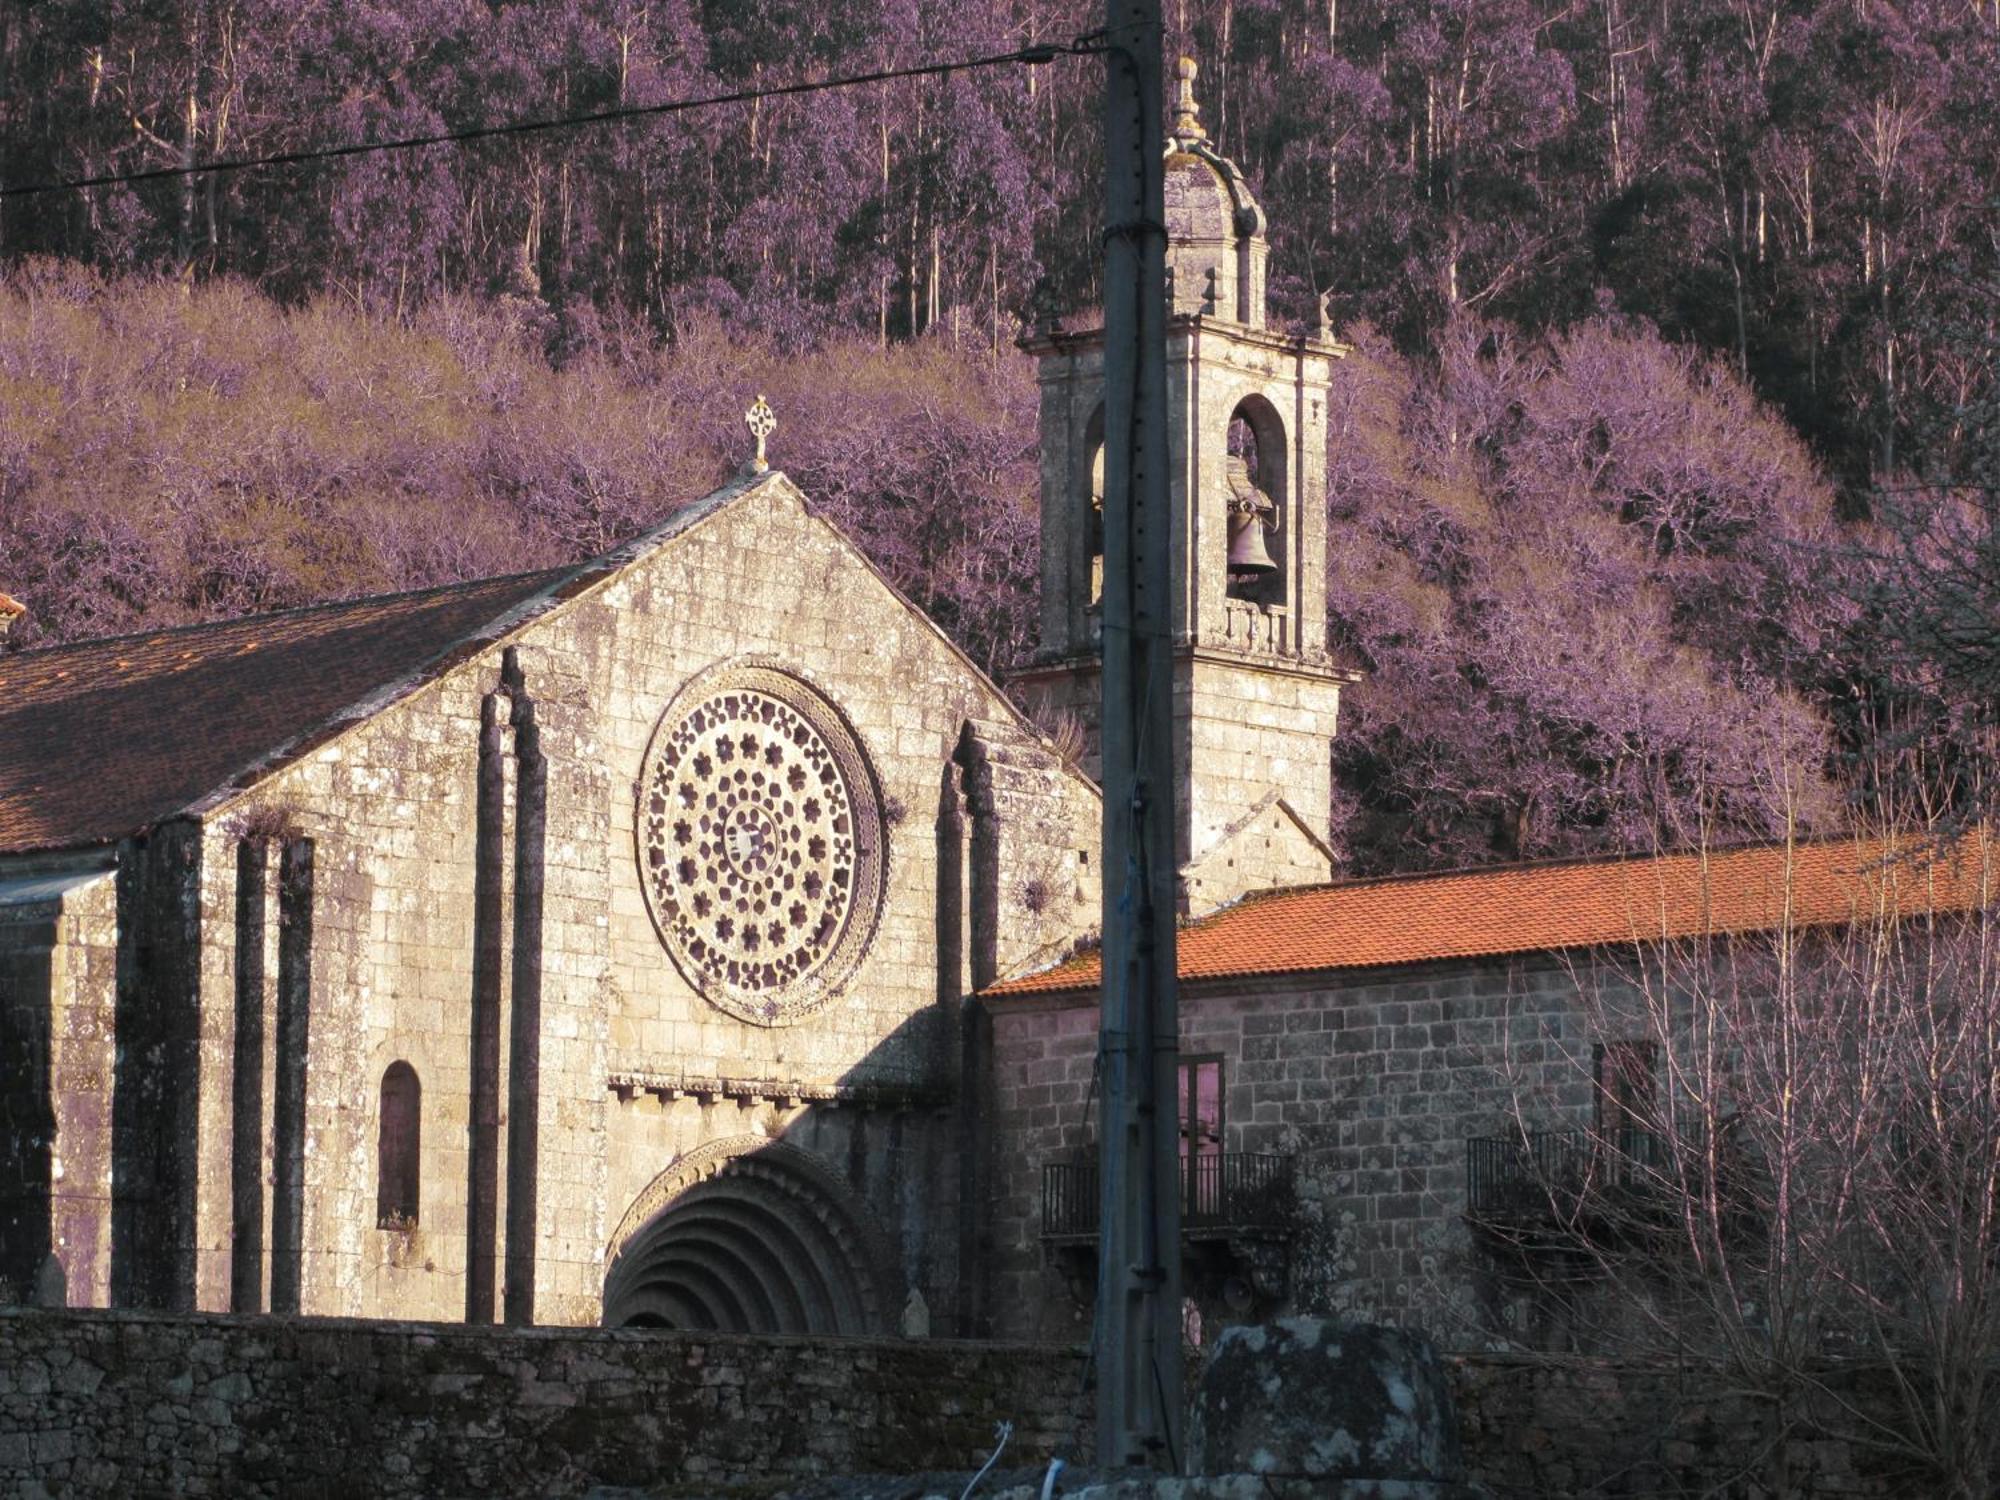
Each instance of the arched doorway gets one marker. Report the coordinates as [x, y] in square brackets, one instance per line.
[746, 1236]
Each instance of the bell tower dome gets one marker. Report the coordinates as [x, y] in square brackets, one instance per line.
[1255, 694]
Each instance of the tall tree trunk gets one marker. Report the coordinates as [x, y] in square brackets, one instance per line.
[882, 239]
[1614, 91]
[196, 41]
[937, 279]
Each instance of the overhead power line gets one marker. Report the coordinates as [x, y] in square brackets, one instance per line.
[1033, 54]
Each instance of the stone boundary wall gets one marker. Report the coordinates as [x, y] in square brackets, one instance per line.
[139, 1405]
[145, 1404]
[1550, 1427]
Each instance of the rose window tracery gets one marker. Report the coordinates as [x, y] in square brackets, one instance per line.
[760, 843]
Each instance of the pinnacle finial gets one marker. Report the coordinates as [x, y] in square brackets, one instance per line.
[762, 422]
[1187, 113]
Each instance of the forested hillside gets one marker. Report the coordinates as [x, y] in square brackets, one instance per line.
[1793, 183]
[1652, 303]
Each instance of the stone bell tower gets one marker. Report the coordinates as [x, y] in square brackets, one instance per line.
[1255, 695]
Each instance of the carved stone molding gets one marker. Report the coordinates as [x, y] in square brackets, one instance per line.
[763, 1218]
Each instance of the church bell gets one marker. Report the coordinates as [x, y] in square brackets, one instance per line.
[1251, 514]
[1247, 552]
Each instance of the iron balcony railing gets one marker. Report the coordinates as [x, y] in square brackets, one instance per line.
[1219, 1190]
[1561, 1174]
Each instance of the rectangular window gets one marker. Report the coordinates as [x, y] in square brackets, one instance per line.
[1201, 1137]
[1628, 1091]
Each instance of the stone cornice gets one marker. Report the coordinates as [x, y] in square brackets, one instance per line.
[1253, 661]
[629, 1083]
[1089, 340]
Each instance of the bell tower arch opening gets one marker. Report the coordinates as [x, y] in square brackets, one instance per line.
[746, 1235]
[1256, 495]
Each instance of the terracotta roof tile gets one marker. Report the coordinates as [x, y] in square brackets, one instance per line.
[102, 738]
[1543, 907]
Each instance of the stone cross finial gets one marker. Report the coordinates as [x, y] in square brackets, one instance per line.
[762, 422]
[1187, 113]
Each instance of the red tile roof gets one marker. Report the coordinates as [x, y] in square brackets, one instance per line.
[1544, 907]
[102, 738]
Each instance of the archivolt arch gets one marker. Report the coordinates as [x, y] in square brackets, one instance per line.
[747, 1235]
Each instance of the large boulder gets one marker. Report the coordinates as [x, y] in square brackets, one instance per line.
[1311, 1399]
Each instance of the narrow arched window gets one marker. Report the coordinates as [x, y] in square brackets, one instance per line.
[398, 1148]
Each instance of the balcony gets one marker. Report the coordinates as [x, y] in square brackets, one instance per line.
[1589, 1182]
[1225, 1195]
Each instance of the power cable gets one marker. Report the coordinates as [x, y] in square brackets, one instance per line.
[1035, 54]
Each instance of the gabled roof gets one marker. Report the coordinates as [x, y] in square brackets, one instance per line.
[1551, 907]
[102, 738]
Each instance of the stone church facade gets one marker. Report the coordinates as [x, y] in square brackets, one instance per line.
[607, 880]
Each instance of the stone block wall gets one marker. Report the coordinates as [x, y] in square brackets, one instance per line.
[1249, 727]
[1249, 730]
[1043, 1111]
[1547, 1427]
[143, 1404]
[115, 1403]
[58, 980]
[1372, 1082]
[1263, 851]
[27, 945]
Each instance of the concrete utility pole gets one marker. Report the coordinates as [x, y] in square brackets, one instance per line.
[1138, 1335]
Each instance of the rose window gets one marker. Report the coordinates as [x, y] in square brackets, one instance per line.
[760, 843]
